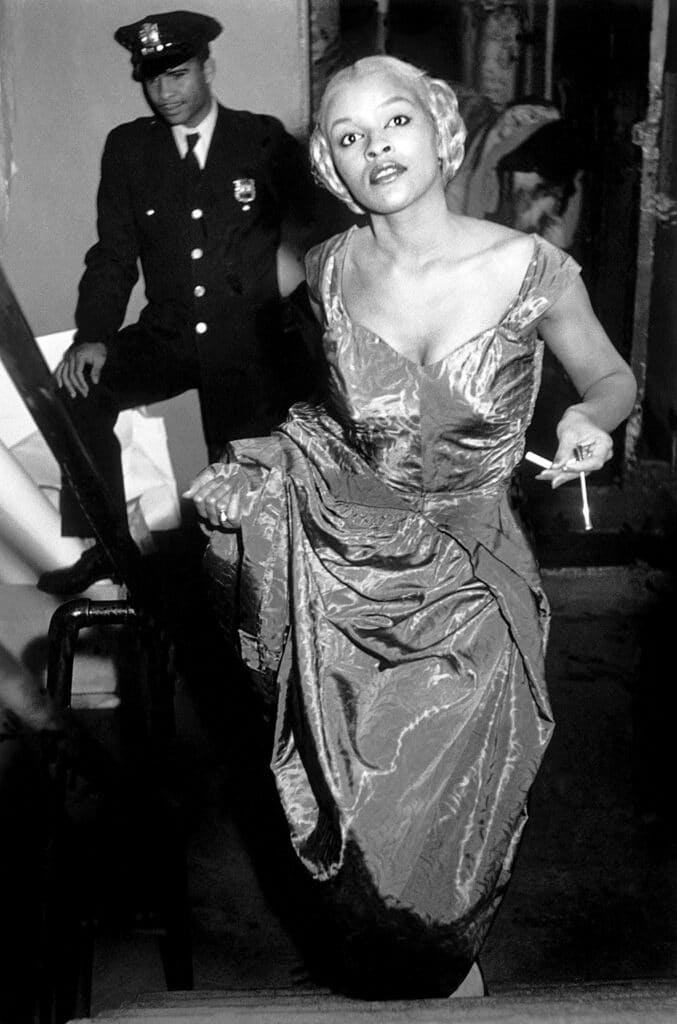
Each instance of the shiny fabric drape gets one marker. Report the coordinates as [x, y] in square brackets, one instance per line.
[391, 612]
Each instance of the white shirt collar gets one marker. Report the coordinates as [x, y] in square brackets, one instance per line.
[205, 129]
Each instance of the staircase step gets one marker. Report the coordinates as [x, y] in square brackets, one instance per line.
[631, 1002]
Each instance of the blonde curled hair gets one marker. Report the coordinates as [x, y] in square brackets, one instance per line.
[438, 98]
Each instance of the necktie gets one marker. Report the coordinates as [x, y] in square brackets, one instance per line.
[190, 163]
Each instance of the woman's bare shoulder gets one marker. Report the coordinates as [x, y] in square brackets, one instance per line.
[504, 251]
[484, 236]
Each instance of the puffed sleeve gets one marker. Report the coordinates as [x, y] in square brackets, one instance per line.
[550, 273]
[313, 264]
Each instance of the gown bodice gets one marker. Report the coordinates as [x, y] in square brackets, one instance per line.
[455, 426]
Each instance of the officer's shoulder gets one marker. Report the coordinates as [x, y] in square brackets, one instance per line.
[262, 125]
[132, 131]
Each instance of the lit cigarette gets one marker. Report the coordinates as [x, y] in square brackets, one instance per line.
[538, 460]
[586, 508]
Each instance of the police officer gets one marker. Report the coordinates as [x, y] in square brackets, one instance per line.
[197, 194]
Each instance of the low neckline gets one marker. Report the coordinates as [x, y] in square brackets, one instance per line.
[526, 280]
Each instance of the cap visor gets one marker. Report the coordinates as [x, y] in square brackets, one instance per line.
[151, 67]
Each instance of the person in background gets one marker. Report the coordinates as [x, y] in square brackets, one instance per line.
[387, 602]
[204, 199]
[524, 168]
[540, 185]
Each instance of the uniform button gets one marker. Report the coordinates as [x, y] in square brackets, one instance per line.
[196, 214]
[196, 254]
[199, 290]
[201, 328]
[149, 213]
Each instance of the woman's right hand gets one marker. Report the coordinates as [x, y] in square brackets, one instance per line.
[217, 495]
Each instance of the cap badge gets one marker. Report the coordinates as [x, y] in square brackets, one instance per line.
[244, 191]
[149, 37]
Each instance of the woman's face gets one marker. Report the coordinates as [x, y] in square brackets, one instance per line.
[383, 141]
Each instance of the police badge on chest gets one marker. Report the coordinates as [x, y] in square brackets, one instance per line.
[244, 192]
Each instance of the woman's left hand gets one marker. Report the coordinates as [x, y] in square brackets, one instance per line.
[583, 448]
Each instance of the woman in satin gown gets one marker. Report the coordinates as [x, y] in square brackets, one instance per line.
[382, 594]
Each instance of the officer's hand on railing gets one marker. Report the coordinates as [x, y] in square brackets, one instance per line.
[71, 373]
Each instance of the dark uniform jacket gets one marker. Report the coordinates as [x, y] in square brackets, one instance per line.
[208, 257]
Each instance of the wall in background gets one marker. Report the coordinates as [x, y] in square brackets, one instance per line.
[64, 83]
[72, 84]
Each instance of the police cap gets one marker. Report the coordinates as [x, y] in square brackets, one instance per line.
[159, 42]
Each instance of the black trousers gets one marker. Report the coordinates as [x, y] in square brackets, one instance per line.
[141, 369]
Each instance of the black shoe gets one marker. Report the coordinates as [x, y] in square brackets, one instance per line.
[94, 564]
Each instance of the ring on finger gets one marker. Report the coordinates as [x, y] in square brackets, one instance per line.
[223, 516]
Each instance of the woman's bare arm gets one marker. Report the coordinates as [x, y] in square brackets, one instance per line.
[602, 378]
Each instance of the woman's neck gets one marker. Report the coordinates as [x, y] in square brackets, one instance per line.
[416, 235]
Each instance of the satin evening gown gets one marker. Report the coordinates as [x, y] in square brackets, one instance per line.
[391, 614]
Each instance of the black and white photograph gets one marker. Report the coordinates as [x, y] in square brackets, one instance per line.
[338, 511]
